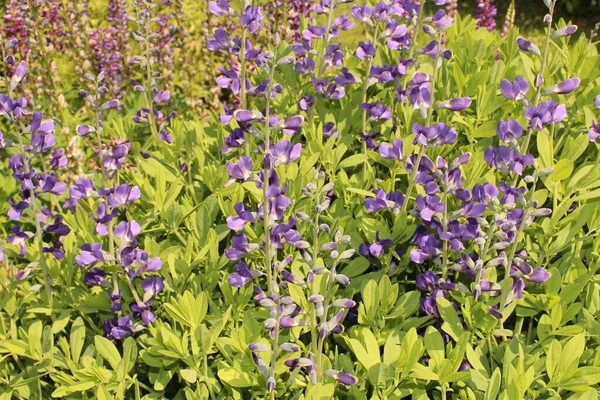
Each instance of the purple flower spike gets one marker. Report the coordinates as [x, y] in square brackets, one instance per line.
[393, 152]
[516, 90]
[342, 377]
[564, 87]
[529, 47]
[549, 112]
[509, 130]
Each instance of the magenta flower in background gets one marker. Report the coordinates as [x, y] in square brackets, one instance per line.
[485, 13]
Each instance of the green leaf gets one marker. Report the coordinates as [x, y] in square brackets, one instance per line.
[103, 394]
[493, 386]
[108, 351]
[562, 170]
[352, 161]
[61, 322]
[378, 374]
[434, 344]
[189, 375]
[452, 325]
[321, 392]
[77, 338]
[129, 357]
[235, 378]
[362, 192]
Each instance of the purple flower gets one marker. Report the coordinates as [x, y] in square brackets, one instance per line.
[384, 201]
[243, 217]
[240, 171]
[345, 78]
[377, 111]
[427, 281]
[549, 112]
[506, 159]
[284, 152]
[96, 277]
[364, 49]
[239, 247]
[152, 285]
[305, 66]
[19, 238]
[509, 130]
[594, 132]
[14, 213]
[516, 90]
[306, 102]
[419, 93]
[143, 311]
[219, 8]
[119, 329]
[90, 254]
[376, 248]
[127, 231]
[437, 135]
[251, 19]
[597, 101]
[393, 152]
[428, 206]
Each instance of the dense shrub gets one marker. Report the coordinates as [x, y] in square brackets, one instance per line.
[412, 214]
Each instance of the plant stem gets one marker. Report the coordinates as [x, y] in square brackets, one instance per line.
[313, 285]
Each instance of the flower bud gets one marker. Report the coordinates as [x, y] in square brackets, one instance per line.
[343, 303]
[259, 347]
[529, 47]
[564, 87]
[291, 347]
[565, 31]
[347, 254]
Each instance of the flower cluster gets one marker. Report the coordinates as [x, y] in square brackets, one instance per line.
[33, 138]
[122, 256]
